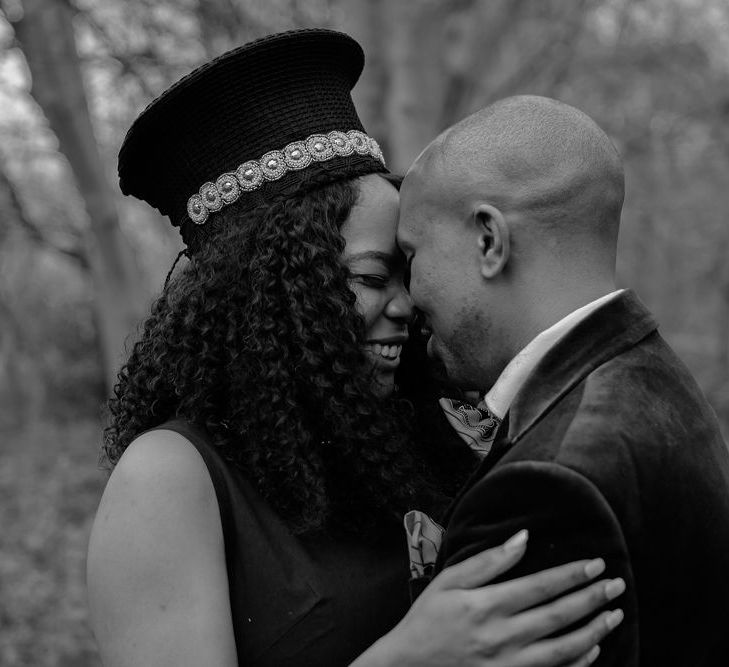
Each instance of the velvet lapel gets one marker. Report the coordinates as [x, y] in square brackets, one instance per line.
[500, 444]
[613, 328]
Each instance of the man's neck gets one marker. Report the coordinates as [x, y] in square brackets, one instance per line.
[499, 397]
[547, 307]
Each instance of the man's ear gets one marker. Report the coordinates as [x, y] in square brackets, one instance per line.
[493, 239]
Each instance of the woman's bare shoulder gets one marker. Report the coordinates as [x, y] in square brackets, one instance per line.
[156, 564]
[159, 463]
[160, 486]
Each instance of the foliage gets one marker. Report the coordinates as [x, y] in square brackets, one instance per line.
[49, 488]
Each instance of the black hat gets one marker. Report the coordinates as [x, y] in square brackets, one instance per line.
[248, 127]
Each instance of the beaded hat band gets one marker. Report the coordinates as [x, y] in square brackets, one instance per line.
[272, 166]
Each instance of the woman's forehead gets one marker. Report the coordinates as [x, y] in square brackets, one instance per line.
[372, 223]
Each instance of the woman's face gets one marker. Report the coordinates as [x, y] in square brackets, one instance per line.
[378, 267]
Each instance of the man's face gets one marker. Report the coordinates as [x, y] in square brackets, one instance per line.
[445, 284]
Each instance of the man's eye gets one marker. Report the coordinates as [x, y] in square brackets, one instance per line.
[377, 282]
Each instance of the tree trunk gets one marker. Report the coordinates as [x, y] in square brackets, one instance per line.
[413, 46]
[364, 21]
[47, 39]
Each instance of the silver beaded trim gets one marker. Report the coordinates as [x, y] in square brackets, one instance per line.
[252, 174]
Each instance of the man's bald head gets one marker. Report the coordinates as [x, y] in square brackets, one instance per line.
[540, 157]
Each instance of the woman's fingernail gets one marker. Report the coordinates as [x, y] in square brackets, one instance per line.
[517, 541]
[595, 567]
[614, 618]
[614, 588]
[592, 655]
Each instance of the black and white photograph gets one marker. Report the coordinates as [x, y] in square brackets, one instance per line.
[364, 333]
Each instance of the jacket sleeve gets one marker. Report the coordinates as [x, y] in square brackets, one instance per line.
[568, 519]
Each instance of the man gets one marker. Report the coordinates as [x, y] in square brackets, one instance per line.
[606, 445]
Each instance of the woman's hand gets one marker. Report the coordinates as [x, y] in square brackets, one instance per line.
[459, 621]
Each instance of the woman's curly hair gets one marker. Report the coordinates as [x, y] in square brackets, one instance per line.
[258, 341]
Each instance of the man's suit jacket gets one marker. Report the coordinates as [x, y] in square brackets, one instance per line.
[610, 449]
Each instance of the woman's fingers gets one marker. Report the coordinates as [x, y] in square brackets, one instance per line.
[586, 659]
[574, 646]
[563, 612]
[515, 595]
[484, 566]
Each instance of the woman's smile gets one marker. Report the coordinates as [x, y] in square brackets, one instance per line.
[385, 353]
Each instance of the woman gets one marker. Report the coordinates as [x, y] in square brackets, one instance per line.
[262, 464]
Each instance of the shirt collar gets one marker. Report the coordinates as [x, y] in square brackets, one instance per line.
[499, 397]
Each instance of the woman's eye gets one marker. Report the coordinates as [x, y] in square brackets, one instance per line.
[377, 282]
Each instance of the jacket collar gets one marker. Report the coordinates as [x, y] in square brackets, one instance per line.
[614, 327]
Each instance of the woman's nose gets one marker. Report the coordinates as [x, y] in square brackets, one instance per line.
[400, 306]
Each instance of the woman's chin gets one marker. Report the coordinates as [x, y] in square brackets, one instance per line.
[383, 371]
[383, 384]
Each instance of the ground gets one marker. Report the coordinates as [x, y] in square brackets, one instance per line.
[50, 485]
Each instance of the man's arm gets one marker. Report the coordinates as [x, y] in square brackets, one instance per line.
[567, 518]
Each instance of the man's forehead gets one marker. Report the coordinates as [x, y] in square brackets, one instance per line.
[416, 204]
[431, 159]
[422, 179]
[437, 187]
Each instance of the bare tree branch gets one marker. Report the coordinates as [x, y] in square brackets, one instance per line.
[48, 40]
[34, 232]
[557, 48]
[225, 24]
[462, 87]
[129, 62]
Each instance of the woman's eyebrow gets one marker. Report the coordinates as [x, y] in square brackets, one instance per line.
[387, 259]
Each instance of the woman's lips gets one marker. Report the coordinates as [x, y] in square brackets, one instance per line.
[389, 351]
[384, 355]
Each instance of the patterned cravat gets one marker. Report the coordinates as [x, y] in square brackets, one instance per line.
[476, 426]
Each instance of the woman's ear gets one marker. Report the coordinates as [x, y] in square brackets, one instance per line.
[493, 239]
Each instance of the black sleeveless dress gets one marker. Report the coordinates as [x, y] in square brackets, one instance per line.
[299, 601]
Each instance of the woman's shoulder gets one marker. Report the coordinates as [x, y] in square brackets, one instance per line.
[160, 477]
[156, 550]
[161, 461]
[160, 485]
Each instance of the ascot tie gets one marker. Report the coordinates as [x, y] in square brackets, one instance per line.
[476, 426]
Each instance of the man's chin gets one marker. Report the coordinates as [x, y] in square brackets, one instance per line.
[440, 371]
[437, 368]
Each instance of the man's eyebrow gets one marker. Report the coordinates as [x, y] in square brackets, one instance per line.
[386, 258]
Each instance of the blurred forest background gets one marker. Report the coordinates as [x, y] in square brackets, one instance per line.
[80, 264]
